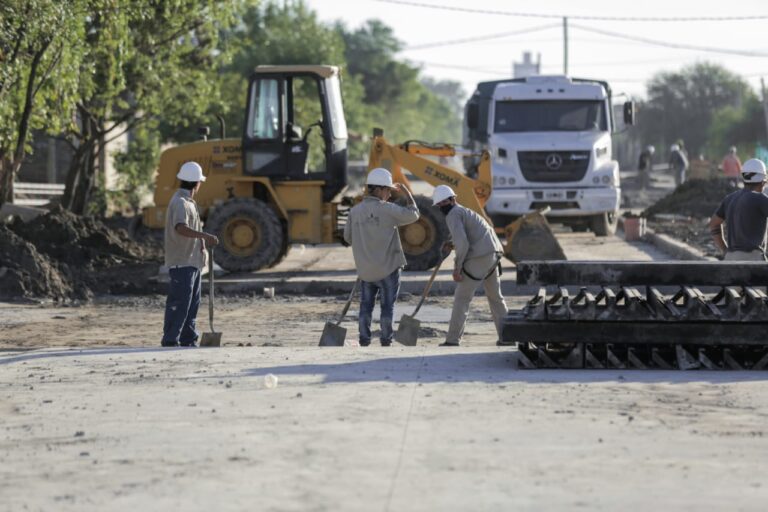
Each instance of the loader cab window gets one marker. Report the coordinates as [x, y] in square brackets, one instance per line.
[264, 110]
[550, 116]
[306, 122]
[338, 122]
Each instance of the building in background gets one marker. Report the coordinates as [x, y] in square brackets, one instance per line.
[527, 67]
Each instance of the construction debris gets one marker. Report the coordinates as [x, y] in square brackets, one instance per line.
[695, 198]
[63, 256]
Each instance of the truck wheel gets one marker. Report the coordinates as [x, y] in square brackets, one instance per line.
[250, 234]
[604, 224]
[423, 239]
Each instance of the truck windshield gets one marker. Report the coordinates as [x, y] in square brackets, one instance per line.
[550, 116]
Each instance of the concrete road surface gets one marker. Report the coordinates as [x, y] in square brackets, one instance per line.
[371, 429]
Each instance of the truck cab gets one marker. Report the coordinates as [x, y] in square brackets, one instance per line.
[550, 142]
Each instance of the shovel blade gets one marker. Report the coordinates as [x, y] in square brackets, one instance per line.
[333, 335]
[408, 331]
[211, 339]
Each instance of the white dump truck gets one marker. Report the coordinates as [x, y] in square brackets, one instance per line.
[550, 143]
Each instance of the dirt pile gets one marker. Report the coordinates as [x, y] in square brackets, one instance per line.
[696, 198]
[64, 256]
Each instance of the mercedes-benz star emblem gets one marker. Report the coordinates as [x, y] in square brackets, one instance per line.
[553, 161]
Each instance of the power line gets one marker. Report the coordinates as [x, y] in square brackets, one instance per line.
[672, 19]
[668, 44]
[482, 38]
[471, 69]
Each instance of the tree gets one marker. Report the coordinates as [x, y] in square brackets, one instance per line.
[40, 51]
[396, 98]
[681, 105]
[142, 61]
[742, 126]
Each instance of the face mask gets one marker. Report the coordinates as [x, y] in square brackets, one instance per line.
[445, 209]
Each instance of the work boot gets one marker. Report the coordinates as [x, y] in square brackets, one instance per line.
[364, 343]
[446, 344]
[386, 343]
[169, 343]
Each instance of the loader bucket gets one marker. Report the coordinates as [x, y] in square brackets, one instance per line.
[531, 238]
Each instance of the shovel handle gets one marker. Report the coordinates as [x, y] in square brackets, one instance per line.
[427, 287]
[349, 301]
[210, 287]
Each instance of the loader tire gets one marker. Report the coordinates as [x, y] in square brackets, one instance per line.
[251, 236]
[604, 224]
[423, 240]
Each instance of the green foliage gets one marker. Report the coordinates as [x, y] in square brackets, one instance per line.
[40, 51]
[394, 96]
[379, 89]
[681, 105]
[135, 167]
[742, 126]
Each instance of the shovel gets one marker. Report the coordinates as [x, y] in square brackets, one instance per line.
[213, 338]
[333, 334]
[408, 328]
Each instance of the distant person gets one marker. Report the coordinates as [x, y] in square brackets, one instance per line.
[678, 162]
[645, 166]
[745, 214]
[185, 257]
[731, 166]
[478, 254]
[371, 230]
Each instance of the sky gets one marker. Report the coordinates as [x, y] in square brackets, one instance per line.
[430, 36]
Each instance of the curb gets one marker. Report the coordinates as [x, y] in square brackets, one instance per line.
[675, 248]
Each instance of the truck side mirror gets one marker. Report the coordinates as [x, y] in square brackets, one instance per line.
[473, 115]
[629, 113]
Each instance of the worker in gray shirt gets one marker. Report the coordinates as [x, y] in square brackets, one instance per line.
[185, 258]
[371, 230]
[478, 254]
[745, 214]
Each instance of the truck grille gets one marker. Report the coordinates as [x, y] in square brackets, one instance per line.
[573, 165]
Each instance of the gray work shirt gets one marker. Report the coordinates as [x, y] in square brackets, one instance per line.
[182, 251]
[472, 235]
[746, 215]
[371, 230]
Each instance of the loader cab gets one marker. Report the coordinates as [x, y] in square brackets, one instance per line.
[295, 127]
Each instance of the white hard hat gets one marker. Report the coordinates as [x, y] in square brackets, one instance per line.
[379, 177]
[753, 171]
[191, 171]
[441, 193]
[733, 149]
[674, 147]
[651, 149]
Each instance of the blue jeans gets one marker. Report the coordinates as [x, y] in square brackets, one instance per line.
[387, 290]
[181, 307]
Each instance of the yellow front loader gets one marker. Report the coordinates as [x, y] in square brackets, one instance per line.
[276, 186]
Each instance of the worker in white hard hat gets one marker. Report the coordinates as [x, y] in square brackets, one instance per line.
[745, 214]
[477, 260]
[645, 165]
[371, 230]
[185, 257]
[678, 162]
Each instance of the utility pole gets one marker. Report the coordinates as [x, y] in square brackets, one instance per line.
[565, 46]
[765, 105]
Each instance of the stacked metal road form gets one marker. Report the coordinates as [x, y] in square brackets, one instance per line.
[664, 315]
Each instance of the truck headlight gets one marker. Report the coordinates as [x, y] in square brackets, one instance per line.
[606, 179]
